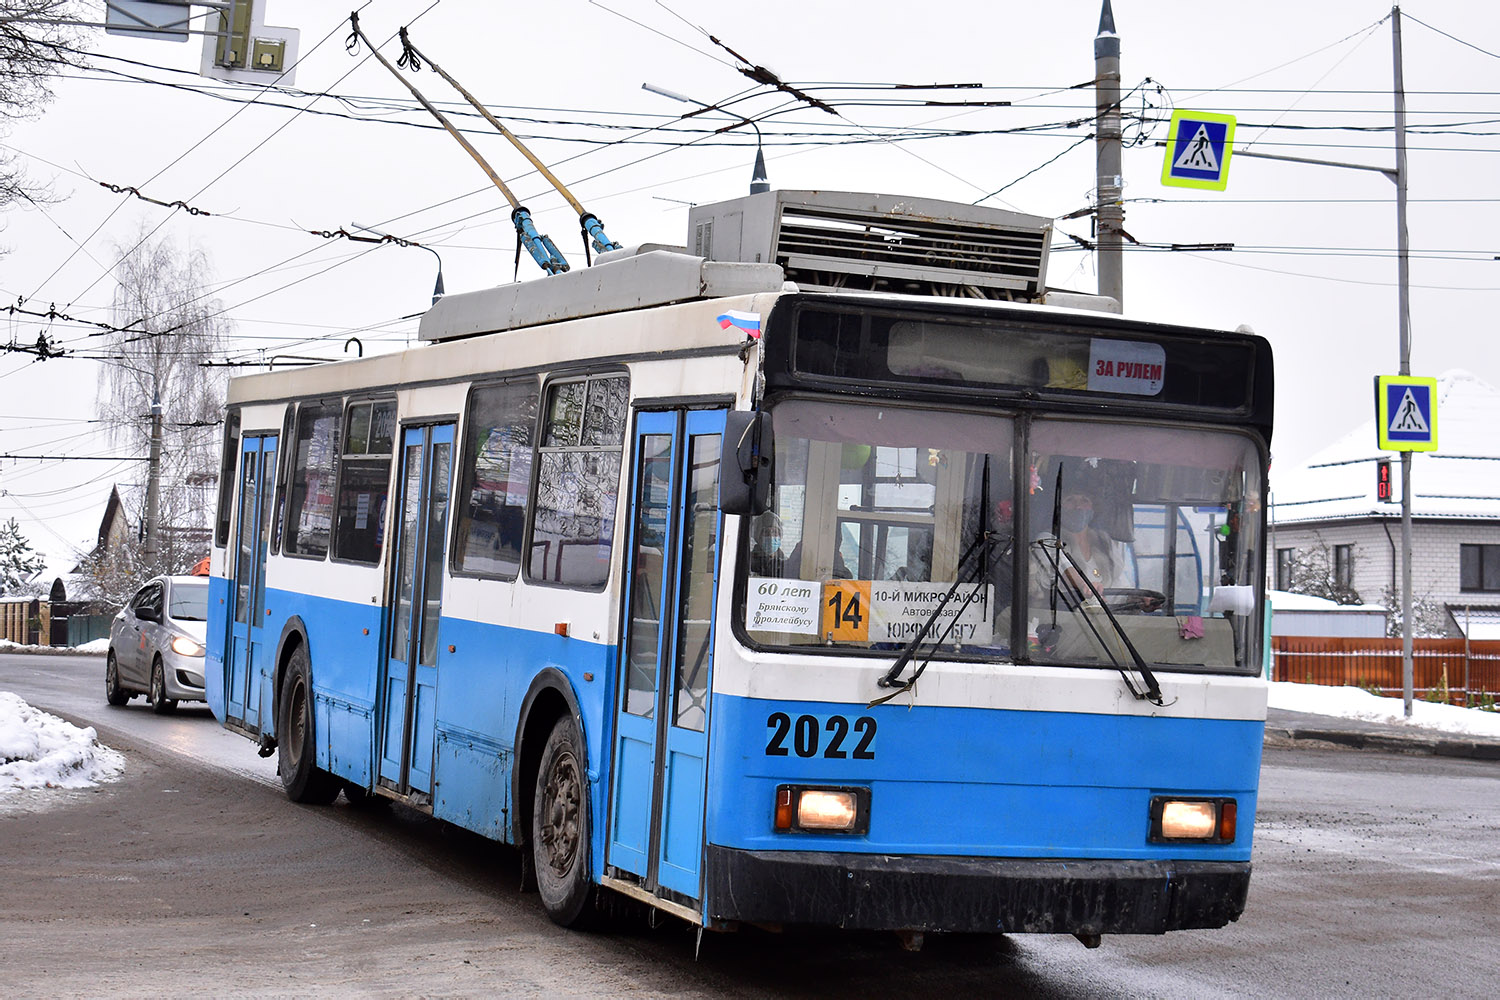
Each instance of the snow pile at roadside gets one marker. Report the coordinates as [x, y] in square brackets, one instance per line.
[96, 646]
[38, 750]
[1356, 703]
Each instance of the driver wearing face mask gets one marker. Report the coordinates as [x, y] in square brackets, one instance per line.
[1090, 548]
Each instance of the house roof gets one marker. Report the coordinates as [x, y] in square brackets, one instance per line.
[1460, 480]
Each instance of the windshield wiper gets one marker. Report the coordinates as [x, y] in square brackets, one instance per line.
[1152, 692]
[984, 538]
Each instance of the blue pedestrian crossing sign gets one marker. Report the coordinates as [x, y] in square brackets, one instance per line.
[1406, 413]
[1199, 144]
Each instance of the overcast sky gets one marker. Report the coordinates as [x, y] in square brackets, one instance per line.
[1313, 269]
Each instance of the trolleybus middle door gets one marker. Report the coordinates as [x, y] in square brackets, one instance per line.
[660, 761]
[409, 682]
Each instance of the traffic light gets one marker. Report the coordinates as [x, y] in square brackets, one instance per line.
[1383, 491]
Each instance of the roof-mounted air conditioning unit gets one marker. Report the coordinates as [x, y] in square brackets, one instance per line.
[835, 240]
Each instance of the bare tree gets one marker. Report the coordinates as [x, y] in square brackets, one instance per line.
[34, 45]
[168, 325]
[1429, 619]
[1312, 573]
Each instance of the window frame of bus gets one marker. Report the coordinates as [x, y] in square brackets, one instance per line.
[228, 462]
[1190, 354]
[541, 449]
[468, 473]
[373, 401]
[288, 427]
[336, 402]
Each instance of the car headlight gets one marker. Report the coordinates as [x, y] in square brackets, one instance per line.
[183, 646]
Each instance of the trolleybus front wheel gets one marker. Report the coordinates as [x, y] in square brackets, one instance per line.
[560, 828]
[297, 747]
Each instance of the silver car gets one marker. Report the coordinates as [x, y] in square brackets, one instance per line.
[156, 644]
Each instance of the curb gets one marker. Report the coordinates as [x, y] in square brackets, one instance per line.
[1469, 749]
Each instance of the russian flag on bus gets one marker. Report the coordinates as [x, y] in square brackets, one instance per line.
[746, 323]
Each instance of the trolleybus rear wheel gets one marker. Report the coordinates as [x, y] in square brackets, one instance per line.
[297, 746]
[560, 828]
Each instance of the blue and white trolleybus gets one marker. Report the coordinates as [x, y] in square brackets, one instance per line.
[825, 571]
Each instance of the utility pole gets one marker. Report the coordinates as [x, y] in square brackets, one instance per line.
[1403, 311]
[153, 487]
[1110, 184]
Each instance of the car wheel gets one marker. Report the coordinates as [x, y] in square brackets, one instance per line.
[160, 703]
[296, 746]
[560, 828]
[113, 692]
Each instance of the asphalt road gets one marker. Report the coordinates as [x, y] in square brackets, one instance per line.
[1376, 875]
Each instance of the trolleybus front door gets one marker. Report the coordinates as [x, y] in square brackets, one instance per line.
[661, 722]
[409, 685]
[252, 536]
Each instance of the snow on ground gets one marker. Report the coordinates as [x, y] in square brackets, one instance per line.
[1356, 703]
[96, 646]
[38, 750]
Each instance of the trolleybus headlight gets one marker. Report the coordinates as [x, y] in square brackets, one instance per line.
[1209, 821]
[828, 810]
[184, 646]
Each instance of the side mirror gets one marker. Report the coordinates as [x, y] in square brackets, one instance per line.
[746, 467]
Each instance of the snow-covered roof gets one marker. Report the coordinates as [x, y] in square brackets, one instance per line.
[1284, 600]
[1461, 479]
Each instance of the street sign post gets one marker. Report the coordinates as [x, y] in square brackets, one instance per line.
[1199, 144]
[1406, 413]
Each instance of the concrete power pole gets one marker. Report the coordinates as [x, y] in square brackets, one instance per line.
[1110, 188]
[153, 488]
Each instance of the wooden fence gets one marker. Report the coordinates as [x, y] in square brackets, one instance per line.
[1469, 671]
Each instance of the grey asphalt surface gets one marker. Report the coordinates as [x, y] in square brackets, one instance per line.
[1376, 874]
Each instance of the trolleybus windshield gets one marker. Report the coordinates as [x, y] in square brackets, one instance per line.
[875, 506]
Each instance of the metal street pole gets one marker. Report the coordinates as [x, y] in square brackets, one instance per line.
[153, 488]
[1403, 310]
[1110, 184]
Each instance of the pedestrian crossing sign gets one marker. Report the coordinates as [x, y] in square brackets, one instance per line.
[1199, 144]
[1406, 413]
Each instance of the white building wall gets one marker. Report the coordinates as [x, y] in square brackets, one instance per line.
[1434, 555]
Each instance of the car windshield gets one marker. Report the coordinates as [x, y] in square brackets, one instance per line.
[879, 512]
[189, 602]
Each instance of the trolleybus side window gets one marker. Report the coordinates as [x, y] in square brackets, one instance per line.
[364, 480]
[497, 461]
[230, 455]
[309, 518]
[283, 465]
[578, 480]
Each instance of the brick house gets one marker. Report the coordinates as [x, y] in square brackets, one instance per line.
[1329, 506]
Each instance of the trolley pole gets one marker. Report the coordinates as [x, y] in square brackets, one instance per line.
[1403, 311]
[1110, 184]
